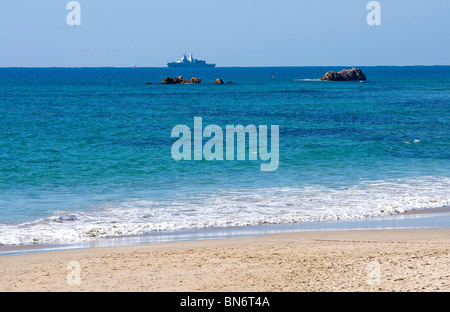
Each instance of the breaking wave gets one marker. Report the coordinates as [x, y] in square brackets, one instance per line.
[226, 208]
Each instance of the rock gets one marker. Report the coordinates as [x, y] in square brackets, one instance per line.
[354, 74]
[148, 83]
[180, 80]
[218, 81]
[168, 80]
[229, 82]
[194, 80]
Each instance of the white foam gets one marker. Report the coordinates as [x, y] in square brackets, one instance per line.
[306, 79]
[233, 208]
[415, 141]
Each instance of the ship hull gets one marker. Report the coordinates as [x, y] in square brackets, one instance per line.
[184, 65]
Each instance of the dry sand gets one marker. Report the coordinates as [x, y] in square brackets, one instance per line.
[375, 260]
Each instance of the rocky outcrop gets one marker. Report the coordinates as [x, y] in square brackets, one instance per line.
[180, 80]
[168, 80]
[354, 74]
[194, 80]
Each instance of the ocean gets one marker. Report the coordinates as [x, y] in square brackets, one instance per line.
[86, 152]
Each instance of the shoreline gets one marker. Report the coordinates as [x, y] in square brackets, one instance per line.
[412, 219]
[355, 260]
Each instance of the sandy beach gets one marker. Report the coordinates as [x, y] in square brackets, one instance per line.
[356, 260]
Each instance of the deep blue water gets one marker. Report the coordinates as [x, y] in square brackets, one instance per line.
[86, 153]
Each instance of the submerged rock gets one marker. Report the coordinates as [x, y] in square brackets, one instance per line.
[354, 74]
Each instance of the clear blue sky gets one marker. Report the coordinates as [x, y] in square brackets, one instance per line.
[151, 33]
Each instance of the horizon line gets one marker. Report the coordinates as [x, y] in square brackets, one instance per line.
[265, 66]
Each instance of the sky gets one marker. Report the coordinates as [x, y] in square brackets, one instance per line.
[150, 33]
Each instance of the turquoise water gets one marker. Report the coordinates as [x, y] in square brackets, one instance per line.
[86, 153]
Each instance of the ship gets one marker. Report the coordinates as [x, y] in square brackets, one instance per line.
[190, 62]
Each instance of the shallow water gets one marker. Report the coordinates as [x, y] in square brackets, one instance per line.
[86, 153]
